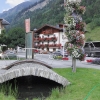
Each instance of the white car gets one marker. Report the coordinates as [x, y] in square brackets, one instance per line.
[60, 53]
[10, 54]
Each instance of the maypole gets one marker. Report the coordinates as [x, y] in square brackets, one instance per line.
[75, 29]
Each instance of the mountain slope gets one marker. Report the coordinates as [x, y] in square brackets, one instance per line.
[43, 12]
[52, 12]
[8, 15]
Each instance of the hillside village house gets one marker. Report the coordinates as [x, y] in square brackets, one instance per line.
[50, 38]
[3, 23]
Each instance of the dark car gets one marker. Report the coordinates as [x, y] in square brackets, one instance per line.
[60, 53]
[92, 49]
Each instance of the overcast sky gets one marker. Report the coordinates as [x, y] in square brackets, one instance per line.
[8, 4]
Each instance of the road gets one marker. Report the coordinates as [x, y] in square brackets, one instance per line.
[47, 58]
[65, 63]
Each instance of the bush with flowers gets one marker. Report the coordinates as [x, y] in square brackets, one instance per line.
[76, 38]
[80, 26]
[75, 52]
[75, 29]
[74, 7]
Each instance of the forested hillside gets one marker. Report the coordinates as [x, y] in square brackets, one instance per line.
[92, 14]
[52, 13]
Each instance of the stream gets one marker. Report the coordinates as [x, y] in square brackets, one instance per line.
[34, 87]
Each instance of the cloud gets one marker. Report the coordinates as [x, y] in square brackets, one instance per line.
[14, 2]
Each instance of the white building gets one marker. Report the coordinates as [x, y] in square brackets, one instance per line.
[50, 38]
[3, 22]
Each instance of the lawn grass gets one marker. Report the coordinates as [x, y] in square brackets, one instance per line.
[85, 84]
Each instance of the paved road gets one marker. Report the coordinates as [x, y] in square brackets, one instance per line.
[54, 63]
[65, 64]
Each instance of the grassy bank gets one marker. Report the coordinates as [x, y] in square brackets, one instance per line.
[93, 34]
[8, 91]
[3, 97]
[85, 85]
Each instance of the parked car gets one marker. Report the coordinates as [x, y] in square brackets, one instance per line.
[9, 54]
[92, 49]
[60, 53]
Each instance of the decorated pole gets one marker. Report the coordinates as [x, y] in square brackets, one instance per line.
[75, 29]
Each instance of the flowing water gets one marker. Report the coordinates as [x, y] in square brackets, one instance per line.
[34, 87]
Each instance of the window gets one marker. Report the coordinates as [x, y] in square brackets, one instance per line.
[91, 44]
[96, 44]
[86, 45]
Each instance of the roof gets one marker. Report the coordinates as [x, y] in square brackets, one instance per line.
[92, 42]
[4, 22]
[40, 29]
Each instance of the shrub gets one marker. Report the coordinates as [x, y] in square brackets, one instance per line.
[57, 57]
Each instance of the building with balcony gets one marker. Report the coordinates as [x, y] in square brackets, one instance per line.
[49, 38]
[3, 23]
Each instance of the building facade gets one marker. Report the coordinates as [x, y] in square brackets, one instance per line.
[49, 38]
[3, 22]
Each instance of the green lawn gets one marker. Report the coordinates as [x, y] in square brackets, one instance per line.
[85, 85]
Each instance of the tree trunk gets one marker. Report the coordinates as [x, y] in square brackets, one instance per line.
[73, 64]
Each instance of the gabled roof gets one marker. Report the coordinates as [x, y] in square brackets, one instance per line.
[40, 29]
[4, 22]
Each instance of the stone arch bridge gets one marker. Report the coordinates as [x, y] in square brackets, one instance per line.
[31, 67]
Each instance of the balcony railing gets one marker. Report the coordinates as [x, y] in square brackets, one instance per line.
[45, 39]
[36, 39]
[47, 45]
[54, 45]
[42, 46]
[53, 38]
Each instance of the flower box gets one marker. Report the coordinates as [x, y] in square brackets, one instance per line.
[58, 45]
[51, 45]
[53, 38]
[46, 45]
[90, 61]
[65, 58]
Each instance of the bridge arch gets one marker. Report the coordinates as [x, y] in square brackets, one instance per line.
[31, 67]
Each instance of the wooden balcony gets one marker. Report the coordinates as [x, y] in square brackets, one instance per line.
[42, 46]
[36, 39]
[53, 38]
[54, 45]
[45, 39]
[47, 46]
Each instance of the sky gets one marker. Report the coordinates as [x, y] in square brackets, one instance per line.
[8, 4]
